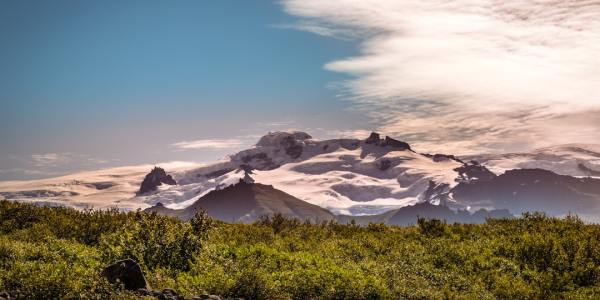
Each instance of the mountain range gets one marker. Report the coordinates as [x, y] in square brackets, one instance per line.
[375, 179]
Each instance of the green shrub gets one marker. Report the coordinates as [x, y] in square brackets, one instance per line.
[157, 241]
[49, 253]
[432, 227]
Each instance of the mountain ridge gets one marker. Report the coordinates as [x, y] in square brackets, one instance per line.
[246, 202]
[345, 176]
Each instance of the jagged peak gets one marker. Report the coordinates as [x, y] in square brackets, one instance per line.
[155, 178]
[375, 139]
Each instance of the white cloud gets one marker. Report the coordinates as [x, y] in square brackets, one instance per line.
[484, 74]
[274, 124]
[60, 159]
[25, 171]
[319, 29]
[49, 159]
[208, 144]
[353, 134]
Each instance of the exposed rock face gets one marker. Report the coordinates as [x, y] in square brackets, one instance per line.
[246, 202]
[155, 178]
[291, 142]
[127, 272]
[474, 171]
[439, 157]
[375, 139]
[274, 139]
[589, 171]
[400, 145]
[436, 192]
[291, 146]
[383, 164]
[261, 161]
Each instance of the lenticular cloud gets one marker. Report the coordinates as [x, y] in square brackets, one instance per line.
[527, 60]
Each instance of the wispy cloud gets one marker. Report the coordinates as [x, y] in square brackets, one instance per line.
[466, 74]
[274, 124]
[208, 144]
[49, 159]
[25, 171]
[58, 159]
[41, 165]
[320, 29]
[354, 134]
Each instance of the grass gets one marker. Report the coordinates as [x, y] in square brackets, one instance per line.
[59, 253]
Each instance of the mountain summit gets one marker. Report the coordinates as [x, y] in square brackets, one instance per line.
[246, 202]
[155, 178]
[357, 177]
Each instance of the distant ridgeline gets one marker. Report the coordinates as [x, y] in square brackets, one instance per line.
[377, 179]
[464, 192]
[247, 202]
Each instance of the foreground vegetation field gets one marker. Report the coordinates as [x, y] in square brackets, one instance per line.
[59, 253]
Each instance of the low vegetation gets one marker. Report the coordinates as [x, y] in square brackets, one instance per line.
[60, 252]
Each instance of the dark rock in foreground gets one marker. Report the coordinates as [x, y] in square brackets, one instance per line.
[127, 272]
[155, 178]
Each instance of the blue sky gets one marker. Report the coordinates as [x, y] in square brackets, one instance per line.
[93, 84]
[118, 82]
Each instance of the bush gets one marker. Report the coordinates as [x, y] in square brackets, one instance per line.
[59, 253]
[432, 227]
[157, 241]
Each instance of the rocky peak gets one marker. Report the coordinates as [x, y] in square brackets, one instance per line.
[281, 138]
[474, 171]
[155, 178]
[400, 145]
[291, 142]
[375, 139]
[247, 178]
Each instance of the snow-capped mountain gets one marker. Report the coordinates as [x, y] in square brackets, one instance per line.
[344, 176]
[114, 187]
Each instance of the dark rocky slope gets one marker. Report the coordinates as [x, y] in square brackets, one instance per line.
[532, 190]
[155, 178]
[246, 202]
